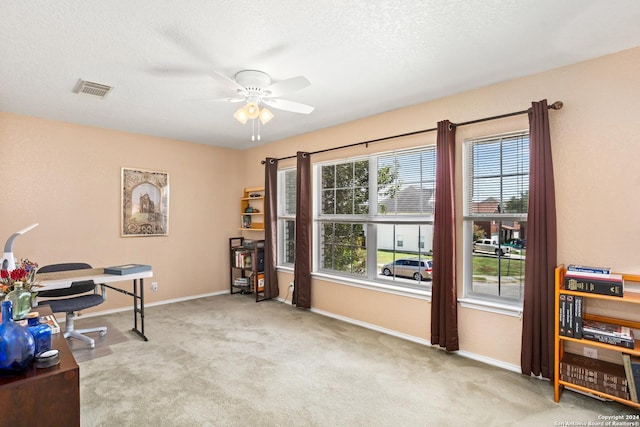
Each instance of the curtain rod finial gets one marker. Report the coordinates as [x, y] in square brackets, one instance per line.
[557, 105]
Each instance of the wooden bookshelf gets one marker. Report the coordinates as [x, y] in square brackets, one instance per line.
[560, 340]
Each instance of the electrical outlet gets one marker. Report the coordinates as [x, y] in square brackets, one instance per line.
[590, 352]
[154, 286]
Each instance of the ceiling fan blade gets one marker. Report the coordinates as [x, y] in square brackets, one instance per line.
[227, 99]
[226, 81]
[286, 86]
[283, 104]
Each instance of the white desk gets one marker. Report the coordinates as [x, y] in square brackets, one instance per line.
[64, 279]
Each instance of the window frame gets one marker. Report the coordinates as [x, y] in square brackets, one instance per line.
[495, 303]
[371, 220]
[284, 216]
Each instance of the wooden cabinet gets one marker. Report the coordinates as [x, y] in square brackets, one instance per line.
[609, 304]
[47, 396]
[246, 267]
[252, 209]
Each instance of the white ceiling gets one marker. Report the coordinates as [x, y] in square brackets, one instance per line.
[363, 57]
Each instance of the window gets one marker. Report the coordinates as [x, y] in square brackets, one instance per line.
[375, 214]
[496, 187]
[286, 216]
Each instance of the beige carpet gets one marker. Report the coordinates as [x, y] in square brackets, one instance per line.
[227, 361]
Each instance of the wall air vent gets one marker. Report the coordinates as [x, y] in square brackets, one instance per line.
[91, 88]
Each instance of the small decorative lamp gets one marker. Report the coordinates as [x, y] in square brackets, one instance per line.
[8, 262]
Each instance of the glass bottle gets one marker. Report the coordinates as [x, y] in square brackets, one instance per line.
[21, 299]
[41, 332]
[17, 346]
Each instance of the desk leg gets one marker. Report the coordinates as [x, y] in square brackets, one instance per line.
[138, 310]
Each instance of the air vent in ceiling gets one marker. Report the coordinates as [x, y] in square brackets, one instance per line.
[91, 88]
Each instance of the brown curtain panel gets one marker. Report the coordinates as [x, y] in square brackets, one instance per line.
[302, 263]
[538, 312]
[444, 301]
[270, 228]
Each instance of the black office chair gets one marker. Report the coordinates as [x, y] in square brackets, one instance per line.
[73, 303]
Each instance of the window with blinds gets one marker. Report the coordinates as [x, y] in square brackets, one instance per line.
[407, 183]
[497, 176]
[287, 216]
[375, 212]
[496, 199]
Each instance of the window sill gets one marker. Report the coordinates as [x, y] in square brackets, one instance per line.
[491, 307]
[375, 286]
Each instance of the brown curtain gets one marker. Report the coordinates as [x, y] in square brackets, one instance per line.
[444, 301]
[302, 263]
[538, 314]
[270, 228]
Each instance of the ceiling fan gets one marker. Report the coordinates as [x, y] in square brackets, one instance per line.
[256, 89]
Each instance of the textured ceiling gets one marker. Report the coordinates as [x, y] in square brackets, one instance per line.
[362, 57]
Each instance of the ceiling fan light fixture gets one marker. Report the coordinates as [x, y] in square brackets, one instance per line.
[252, 110]
[265, 116]
[241, 115]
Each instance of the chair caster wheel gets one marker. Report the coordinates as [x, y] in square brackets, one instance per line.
[102, 333]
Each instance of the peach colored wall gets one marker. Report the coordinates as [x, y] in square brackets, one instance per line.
[595, 148]
[67, 178]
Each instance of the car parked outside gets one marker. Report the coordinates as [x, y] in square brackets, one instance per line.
[491, 247]
[416, 268]
[517, 243]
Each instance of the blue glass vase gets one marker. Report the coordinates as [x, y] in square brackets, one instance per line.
[41, 332]
[17, 346]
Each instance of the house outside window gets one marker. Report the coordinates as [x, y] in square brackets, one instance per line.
[375, 211]
[496, 196]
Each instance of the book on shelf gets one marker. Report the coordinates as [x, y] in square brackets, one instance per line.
[563, 315]
[633, 392]
[588, 269]
[612, 286]
[243, 259]
[635, 370]
[608, 333]
[596, 374]
[577, 316]
[569, 317]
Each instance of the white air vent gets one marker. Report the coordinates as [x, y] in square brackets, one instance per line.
[91, 88]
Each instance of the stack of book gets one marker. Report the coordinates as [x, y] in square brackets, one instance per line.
[595, 280]
[595, 374]
[608, 333]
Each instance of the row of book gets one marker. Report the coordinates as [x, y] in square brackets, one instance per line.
[248, 259]
[573, 325]
[596, 280]
[596, 374]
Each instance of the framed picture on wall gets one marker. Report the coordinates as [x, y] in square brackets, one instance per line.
[145, 203]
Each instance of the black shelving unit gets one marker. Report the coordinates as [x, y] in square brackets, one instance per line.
[246, 261]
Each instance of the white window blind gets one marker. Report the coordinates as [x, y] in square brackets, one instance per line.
[497, 176]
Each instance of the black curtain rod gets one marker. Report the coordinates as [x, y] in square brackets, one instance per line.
[555, 106]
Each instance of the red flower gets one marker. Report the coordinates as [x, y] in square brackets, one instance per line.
[4, 274]
[18, 274]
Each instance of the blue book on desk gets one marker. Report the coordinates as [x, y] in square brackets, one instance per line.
[127, 269]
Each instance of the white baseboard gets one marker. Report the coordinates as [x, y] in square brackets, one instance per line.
[480, 358]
